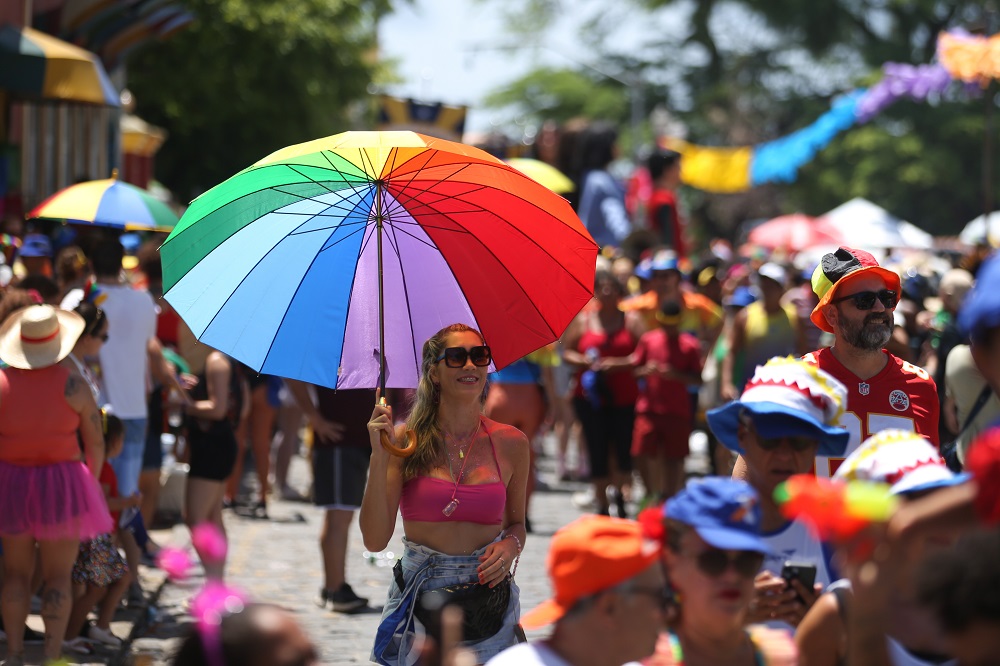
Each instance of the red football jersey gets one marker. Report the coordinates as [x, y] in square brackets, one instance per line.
[901, 396]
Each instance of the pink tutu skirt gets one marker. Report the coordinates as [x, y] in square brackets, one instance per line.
[51, 502]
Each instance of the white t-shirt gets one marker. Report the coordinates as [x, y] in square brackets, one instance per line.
[528, 654]
[899, 656]
[124, 363]
[795, 542]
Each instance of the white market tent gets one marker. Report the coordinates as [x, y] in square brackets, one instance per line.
[865, 225]
[983, 228]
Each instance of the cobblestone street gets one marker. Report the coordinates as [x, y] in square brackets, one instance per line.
[278, 561]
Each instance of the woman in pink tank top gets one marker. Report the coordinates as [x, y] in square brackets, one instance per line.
[50, 500]
[461, 495]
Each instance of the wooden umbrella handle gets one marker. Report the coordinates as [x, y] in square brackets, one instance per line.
[404, 452]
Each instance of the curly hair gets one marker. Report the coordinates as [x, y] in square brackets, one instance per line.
[423, 416]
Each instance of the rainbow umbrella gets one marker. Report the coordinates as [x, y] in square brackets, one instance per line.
[332, 261]
[36, 65]
[544, 173]
[107, 203]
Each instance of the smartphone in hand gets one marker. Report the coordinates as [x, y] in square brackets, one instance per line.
[804, 572]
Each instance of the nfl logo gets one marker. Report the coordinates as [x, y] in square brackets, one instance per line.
[863, 388]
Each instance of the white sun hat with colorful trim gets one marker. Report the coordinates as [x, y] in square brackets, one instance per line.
[904, 460]
[787, 397]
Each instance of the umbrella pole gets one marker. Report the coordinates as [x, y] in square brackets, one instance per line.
[411, 439]
[379, 217]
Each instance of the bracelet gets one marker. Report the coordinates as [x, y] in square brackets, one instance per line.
[517, 558]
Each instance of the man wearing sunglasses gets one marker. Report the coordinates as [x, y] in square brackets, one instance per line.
[787, 415]
[856, 302]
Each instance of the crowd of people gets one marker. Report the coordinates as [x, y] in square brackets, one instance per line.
[860, 368]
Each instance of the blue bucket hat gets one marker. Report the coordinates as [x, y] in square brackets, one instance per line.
[725, 513]
[787, 397]
[981, 308]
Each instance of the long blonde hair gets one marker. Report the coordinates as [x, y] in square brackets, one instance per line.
[423, 418]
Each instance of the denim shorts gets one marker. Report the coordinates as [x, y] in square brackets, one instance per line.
[427, 569]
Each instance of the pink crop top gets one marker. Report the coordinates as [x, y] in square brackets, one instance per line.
[424, 497]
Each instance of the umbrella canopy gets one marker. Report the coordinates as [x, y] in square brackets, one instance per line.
[107, 203]
[983, 229]
[36, 65]
[301, 264]
[544, 173]
[863, 224]
[794, 233]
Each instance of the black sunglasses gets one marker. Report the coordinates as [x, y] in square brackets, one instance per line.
[798, 444]
[714, 562]
[456, 357]
[865, 300]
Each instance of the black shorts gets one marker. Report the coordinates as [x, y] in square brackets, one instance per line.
[213, 453]
[608, 433]
[339, 476]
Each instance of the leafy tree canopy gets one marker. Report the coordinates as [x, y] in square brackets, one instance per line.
[743, 72]
[249, 77]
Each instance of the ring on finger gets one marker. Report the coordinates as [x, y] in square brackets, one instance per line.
[502, 562]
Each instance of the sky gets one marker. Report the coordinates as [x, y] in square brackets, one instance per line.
[446, 50]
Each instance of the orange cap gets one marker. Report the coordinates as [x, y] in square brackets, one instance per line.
[591, 554]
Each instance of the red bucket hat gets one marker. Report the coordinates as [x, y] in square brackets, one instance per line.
[839, 268]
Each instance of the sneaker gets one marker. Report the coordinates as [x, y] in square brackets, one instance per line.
[104, 637]
[345, 601]
[259, 510]
[17, 660]
[290, 494]
[584, 499]
[80, 646]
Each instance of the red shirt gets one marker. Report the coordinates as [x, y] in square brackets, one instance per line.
[663, 211]
[681, 353]
[621, 384]
[901, 396]
[109, 480]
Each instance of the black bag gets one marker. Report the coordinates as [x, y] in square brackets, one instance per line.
[949, 450]
[483, 607]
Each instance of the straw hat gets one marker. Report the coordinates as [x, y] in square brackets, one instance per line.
[38, 336]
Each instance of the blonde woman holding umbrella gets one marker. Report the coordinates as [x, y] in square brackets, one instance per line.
[462, 498]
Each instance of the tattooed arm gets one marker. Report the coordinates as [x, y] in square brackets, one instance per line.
[81, 400]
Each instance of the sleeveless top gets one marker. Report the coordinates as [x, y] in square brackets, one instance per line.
[37, 425]
[231, 420]
[766, 336]
[622, 385]
[424, 497]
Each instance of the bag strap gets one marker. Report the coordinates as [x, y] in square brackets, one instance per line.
[984, 395]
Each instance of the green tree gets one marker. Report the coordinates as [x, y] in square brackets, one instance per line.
[562, 94]
[776, 67]
[249, 77]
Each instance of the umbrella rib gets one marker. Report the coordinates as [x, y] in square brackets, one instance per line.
[394, 243]
[505, 269]
[461, 196]
[518, 230]
[233, 293]
[292, 299]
